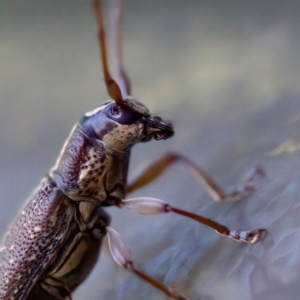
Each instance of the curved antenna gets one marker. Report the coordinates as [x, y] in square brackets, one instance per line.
[113, 88]
[116, 42]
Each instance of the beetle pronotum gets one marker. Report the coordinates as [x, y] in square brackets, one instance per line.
[55, 241]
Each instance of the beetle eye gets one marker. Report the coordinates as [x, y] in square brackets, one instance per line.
[122, 114]
[116, 111]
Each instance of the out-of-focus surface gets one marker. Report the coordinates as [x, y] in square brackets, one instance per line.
[227, 74]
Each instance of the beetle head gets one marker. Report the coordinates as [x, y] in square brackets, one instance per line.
[119, 126]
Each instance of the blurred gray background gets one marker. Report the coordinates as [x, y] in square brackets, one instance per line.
[227, 74]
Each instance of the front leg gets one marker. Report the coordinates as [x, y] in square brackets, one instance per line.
[248, 185]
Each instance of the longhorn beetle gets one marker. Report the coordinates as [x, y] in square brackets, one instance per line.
[54, 243]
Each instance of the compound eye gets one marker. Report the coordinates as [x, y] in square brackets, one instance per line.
[116, 111]
[123, 114]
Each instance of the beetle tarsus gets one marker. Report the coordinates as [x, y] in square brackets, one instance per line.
[250, 183]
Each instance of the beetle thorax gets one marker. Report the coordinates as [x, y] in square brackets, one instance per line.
[86, 170]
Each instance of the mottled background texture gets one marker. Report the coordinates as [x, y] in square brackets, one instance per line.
[227, 74]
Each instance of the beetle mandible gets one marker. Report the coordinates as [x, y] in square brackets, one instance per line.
[54, 243]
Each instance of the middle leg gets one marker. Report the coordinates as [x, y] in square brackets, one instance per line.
[152, 206]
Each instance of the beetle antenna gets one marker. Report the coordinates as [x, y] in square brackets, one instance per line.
[113, 88]
[116, 21]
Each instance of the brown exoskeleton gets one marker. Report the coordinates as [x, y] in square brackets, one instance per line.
[54, 243]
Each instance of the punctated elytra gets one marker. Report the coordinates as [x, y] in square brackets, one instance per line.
[55, 242]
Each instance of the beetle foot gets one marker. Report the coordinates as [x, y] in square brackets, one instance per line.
[248, 186]
[251, 236]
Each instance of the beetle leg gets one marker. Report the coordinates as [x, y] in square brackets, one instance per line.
[57, 289]
[52, 289]
[248, 185]
[153, 206]
[121, 256]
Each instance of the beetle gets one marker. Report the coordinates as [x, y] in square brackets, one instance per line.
[55, 241]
